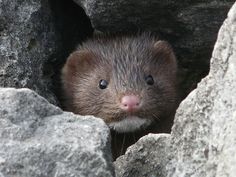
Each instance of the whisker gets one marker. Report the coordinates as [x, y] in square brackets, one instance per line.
[123, 144]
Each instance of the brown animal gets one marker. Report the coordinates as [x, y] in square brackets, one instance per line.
[128, 81]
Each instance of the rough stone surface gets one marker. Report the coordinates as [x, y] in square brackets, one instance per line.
[27, 42]
[204, 131]
[203, 138]
[140, 159]
[38, 139]
[190, 26]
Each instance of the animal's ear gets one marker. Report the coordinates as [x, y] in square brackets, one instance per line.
[76, 65]
[164, 55]
[78, 61]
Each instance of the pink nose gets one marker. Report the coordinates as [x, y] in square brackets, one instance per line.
[130, 103]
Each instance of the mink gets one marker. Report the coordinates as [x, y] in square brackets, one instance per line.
[129, 81]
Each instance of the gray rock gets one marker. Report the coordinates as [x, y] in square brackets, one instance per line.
[202, 142]
[141, 158]
[39, 139]
[28, 42]
[204, 130]
[190, 26]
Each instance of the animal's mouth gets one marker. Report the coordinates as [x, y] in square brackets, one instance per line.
[129, 123]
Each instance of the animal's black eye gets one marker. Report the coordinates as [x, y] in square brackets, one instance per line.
[149, 80]
[103, 84]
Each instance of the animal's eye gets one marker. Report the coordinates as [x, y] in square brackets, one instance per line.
[149, 80]
[103, 84]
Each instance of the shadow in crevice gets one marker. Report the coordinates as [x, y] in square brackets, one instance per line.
[72, 27]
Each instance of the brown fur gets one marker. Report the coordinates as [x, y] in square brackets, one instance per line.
[124, 62]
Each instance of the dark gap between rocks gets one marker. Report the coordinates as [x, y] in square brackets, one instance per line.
[73, 27]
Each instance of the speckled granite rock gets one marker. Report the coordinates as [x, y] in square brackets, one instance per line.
[204, 130]
[38, 139]
[142, 159]
[28, 42]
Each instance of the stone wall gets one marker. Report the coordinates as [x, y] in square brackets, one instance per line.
[39, 139]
